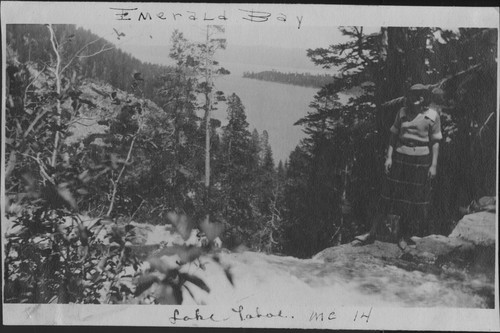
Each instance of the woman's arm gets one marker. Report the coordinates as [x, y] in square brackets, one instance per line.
[393, 139]
[434, 136]
[392, 142]
[435, 154]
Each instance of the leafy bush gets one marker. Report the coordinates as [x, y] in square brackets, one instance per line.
[163, 281]
[52, 256]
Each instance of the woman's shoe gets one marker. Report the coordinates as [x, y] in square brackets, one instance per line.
[410, 242]
[402, 244]
[364, 239]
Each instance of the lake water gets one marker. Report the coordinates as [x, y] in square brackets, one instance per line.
[269, 106]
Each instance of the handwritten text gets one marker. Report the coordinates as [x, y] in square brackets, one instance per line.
[250, 15]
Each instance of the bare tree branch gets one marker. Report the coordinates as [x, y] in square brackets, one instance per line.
[103, 49]
[33, 123]
[79, 51]
[29, 84]
[43, 172]
[485, 124]
[142, 201]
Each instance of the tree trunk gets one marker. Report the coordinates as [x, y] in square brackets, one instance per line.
[57, 74]
[208, 106]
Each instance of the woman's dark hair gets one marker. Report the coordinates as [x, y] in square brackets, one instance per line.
[421, 91]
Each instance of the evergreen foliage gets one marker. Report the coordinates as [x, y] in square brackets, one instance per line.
[339, 163]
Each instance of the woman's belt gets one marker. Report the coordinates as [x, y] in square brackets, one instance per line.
[413, 143]
[413, 147]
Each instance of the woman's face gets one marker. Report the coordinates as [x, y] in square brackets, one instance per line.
[415, 99]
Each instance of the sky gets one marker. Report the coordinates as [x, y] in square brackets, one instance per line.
[276, 36]
[151, 42]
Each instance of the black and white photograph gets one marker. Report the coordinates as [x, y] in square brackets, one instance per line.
[250, 165]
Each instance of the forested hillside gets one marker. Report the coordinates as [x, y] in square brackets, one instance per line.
[89, 55]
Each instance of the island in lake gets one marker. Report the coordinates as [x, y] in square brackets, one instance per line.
[299, 79]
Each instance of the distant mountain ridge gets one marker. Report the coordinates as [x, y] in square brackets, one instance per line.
[268, 57]
[243, 57]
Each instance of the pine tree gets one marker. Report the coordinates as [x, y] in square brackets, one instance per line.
[256, 145]
[266, 155]
[176, 166]
[238, 163]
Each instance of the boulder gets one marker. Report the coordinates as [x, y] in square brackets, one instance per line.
[478, 229]
[439, 245]
[377, 250]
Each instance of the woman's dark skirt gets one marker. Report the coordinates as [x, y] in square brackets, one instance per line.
[407, 190]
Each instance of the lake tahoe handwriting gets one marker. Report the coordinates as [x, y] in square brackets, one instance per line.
[196, 317]
[249, 15]
[241, 314]
[247, 315]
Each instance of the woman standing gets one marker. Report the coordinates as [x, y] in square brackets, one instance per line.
[410, 165]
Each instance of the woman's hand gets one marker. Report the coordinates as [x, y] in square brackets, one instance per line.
[388, 165]
[432, 172]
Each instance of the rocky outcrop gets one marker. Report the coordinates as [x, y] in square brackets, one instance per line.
[473, 237]
[100, 103]
[439, 271]
[467, 254]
